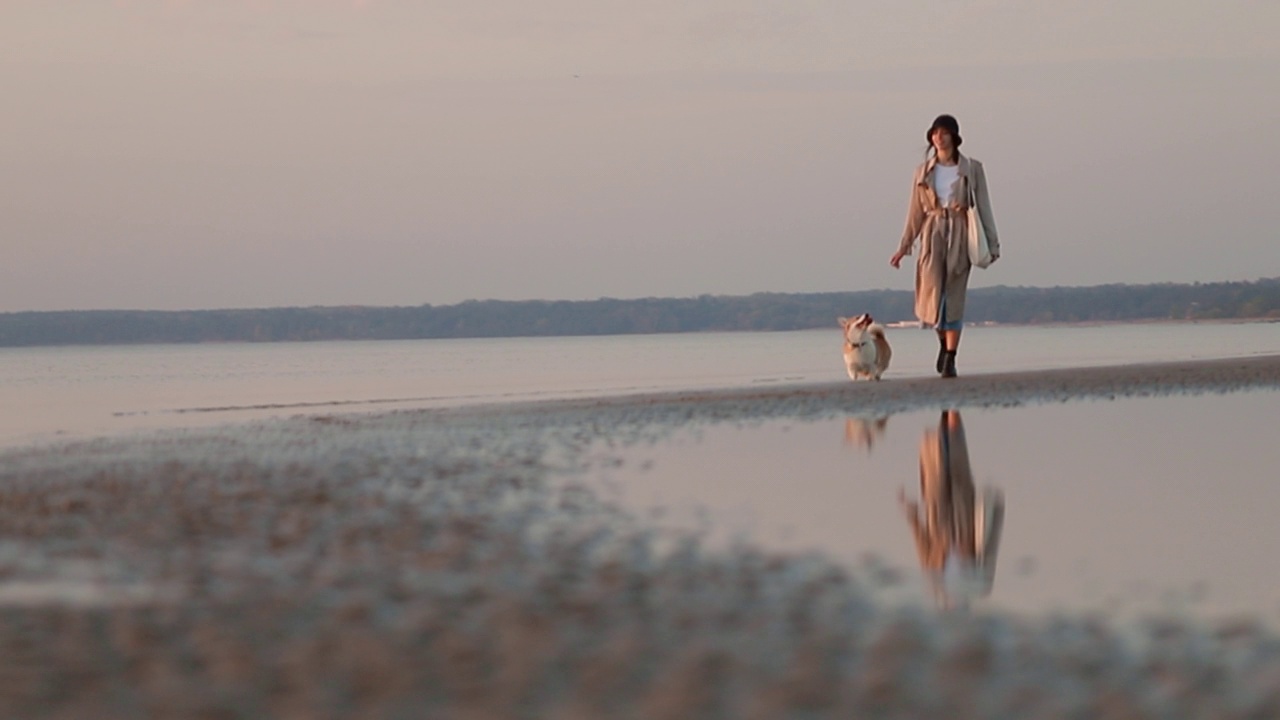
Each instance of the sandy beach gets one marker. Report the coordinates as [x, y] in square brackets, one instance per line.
[443, 563]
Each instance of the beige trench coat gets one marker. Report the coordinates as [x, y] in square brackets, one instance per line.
[942, 271]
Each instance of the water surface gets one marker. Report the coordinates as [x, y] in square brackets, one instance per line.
[1127, 507]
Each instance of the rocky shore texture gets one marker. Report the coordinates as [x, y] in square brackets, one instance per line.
[436, 564]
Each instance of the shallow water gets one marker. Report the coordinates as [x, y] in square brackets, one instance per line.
[74, 392]
[1125, 507]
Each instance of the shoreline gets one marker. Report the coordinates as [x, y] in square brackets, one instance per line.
[863, 398]
[905, 394]
[890, 325]
[434, 563]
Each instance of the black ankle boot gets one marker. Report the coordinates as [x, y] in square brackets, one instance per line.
[949, 364]
[942, 354]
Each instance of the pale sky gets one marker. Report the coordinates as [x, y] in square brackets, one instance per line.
[169, 154]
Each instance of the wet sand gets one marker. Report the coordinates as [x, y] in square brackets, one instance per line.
[435, 563]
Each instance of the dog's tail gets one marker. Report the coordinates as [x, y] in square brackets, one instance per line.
[883, 352]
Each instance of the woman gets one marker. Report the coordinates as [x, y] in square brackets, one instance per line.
[940, 192]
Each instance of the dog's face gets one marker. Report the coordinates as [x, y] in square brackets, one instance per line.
[855, 326]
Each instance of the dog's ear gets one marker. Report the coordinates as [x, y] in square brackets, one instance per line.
[844, 322]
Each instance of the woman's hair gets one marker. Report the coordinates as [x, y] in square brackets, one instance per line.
[948, 123]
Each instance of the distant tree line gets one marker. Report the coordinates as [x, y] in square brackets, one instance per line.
[608, 316]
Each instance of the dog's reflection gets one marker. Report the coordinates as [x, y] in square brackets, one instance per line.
[864, 432]
[956, 526]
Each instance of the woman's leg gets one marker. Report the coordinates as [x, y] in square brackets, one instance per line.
[952, 343]
[952, 340]
[951, 325]
[948, 342]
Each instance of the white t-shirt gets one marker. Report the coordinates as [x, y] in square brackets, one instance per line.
[943, 177]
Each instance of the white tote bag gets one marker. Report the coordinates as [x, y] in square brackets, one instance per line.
[979, 249]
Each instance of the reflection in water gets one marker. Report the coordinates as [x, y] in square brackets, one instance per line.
[957, 532]
[863, 433]
[1074, 542]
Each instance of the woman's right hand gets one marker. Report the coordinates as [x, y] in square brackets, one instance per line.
[896, 260]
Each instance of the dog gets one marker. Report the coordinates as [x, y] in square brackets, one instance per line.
[866, 349]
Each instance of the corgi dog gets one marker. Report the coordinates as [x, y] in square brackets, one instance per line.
[866, 350]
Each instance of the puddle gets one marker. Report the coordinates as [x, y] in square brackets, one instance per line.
[1130, 507]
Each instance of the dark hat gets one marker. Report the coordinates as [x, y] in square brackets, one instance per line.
[947, 122]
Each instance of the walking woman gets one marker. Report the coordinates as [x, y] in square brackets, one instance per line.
[940, 197]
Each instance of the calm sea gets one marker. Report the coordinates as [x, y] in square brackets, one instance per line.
[74, 392]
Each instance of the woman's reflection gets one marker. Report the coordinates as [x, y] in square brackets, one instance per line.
[957, 532]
